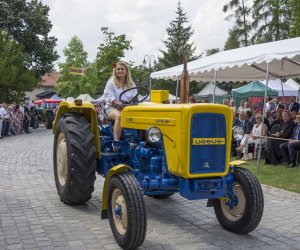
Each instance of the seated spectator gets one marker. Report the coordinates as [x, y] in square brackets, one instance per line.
[273, 153]
[289, 148]
[259, 129]
[293, 115]
[277, 123]
[250, 117]
[269, 117]
[192, 99]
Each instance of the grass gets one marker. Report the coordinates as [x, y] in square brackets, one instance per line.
[276, 175]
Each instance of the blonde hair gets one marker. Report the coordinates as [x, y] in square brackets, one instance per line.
[128, 80]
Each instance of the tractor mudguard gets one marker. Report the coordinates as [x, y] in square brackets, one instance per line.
[88, 110]
[114, 170]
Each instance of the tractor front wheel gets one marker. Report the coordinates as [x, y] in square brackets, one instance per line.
[126, 211]
[74, 159]
[245, 215]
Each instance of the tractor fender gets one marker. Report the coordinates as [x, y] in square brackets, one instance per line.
[120, 168]
[88, 110]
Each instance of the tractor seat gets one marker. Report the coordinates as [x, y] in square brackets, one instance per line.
[103, 111]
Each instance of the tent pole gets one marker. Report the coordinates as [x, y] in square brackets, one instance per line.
[215, 77]
[177, 84]
[282, 89]
[150, 86]
[263, 119]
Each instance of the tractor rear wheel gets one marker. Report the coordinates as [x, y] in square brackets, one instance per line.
[245, 216]
[74, 159]
[126, 211]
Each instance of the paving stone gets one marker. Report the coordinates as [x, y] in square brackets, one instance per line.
[33, 217]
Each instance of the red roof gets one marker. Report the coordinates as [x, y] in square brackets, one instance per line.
[50, 79]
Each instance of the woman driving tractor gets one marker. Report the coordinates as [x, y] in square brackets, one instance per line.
[119, 82]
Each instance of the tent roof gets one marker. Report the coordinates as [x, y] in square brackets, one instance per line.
[292, 83]
[278, 86]
[243, 64]
[70, 99]
[209, 90]
[85, 98]
[253, 89]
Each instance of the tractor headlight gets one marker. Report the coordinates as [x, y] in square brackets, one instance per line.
[238, 133]
[153, 135]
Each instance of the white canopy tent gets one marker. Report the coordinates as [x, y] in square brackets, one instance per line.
[281, 59]
[274, 60]
[282, 88]
[209, 89]
[85, 98]
[292, 83]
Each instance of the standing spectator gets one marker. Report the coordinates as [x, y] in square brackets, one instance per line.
[5, 123]
[1, 121]
[26, 119]
[270, 104]
[294, 106]
[233, 107]
[289, 148]
[241, 107]
[247, 107]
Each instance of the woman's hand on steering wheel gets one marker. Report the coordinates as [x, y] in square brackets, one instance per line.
[134, 99]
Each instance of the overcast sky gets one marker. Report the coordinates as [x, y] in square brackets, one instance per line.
[144, 22]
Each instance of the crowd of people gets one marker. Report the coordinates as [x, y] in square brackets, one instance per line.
[17, 118]
[278, 134]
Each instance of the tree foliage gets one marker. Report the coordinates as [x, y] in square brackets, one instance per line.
[212, 51]
[110, 51]
[15, 78]
[27, 23]
[295, 23]
[271, 20]
[178, 41]
[241, 14]
[73, 85]
[232, 41]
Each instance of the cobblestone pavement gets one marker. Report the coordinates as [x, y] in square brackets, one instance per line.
[33, 217]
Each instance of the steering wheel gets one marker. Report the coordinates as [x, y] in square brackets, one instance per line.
[135, 99]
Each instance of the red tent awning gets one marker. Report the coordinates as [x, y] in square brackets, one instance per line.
[46, 101]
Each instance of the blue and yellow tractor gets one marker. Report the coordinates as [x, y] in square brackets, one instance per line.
[164, 149]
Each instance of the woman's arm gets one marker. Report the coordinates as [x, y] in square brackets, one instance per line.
[109, 93]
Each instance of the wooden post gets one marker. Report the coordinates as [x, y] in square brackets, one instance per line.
[184, 82]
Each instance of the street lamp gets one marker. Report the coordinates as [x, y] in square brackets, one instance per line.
[150, 59]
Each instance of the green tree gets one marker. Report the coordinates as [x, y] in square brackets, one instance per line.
[110, 51]
[212, 51]
[271, 20]
[15, 77]
[241, 13]
[295, 25]
[179, 35]
[27, 23]
[232, 41]
[73, 85]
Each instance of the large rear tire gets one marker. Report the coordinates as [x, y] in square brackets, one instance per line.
[74, 159]
[245, 216]
[126, 211]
